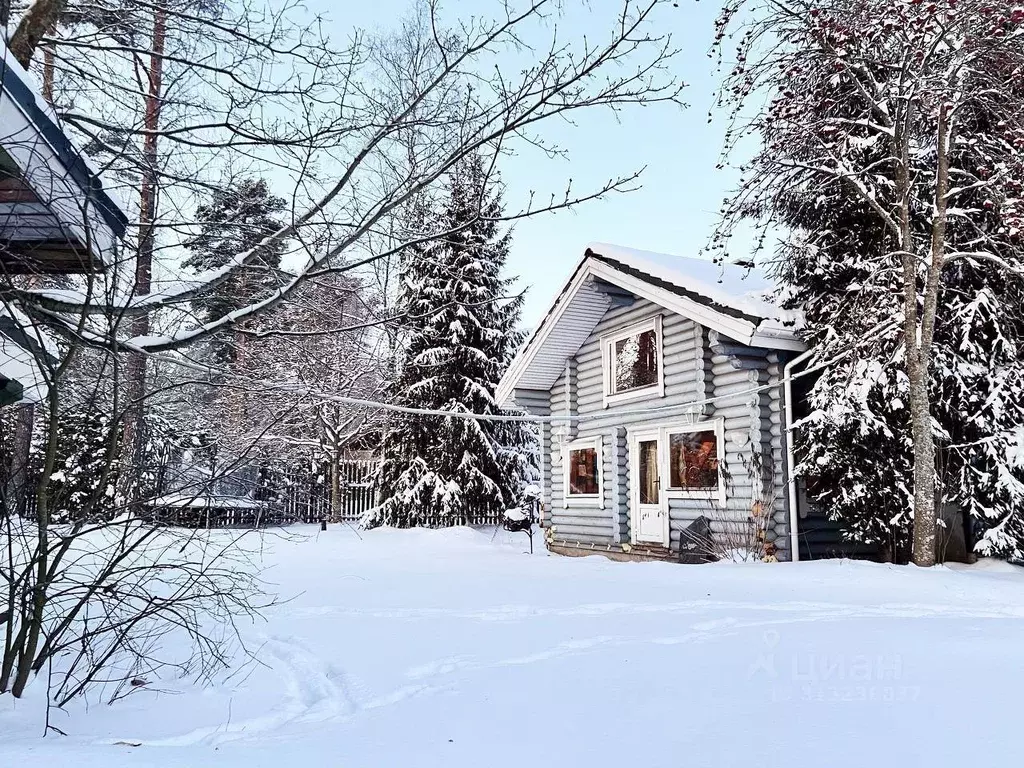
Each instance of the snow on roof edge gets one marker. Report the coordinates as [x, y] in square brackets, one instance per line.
[111, 206]
[738, 288]
[745, 291]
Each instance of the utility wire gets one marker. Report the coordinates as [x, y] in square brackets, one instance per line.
[529, 418]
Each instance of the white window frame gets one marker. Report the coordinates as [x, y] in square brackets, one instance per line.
[583, 499]
[608, 362]
[713, 425]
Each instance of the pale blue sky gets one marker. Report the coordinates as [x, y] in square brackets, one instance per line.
[675, 209]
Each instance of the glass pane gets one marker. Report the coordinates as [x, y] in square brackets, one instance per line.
[693, 460]
[636, 361]
[648, 471]
[583, 472]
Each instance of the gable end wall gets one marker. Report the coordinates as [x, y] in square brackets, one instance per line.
[693, 372]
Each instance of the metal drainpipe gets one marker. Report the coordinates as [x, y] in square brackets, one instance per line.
[794, 515]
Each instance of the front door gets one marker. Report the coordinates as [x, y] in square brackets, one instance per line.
[648, 512]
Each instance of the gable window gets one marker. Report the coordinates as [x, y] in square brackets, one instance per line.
[693, 458]
[583, 475]
[636, 361]
[633, 363]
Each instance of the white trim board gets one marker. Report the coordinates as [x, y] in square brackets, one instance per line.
[636, 436]
[716, 425]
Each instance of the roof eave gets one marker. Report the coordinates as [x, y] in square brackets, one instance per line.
[751, 331]
[525, 355]
[14, 83]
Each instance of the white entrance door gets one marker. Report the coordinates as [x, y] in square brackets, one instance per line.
[648, 510]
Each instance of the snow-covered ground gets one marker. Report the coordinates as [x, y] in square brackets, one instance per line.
[442, 648]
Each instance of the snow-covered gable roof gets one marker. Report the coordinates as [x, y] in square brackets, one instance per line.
[728, 286]
[55, 209]
[733, 300]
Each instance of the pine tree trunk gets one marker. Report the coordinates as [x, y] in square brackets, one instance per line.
[17, 474]
[136, 369]
[48, 68]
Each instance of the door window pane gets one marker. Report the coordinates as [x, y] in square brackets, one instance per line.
[648, 479]
[693, 460]
[583, 472]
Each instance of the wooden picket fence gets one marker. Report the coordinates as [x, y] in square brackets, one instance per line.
[475, 519]
[249, 499]
[310, 502]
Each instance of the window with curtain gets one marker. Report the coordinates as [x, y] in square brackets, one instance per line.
[693, 459]
[583, 472]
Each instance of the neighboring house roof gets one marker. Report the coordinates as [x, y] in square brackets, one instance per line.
[733, 300]
[25, 350]
[11, 391]
[56, 215]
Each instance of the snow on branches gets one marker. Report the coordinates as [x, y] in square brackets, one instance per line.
[460, 335]
[372, 124]
[890, 154]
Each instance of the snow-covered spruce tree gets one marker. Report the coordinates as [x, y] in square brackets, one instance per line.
[890, 153]
[460, 335]
[86, 476]
[236, 219]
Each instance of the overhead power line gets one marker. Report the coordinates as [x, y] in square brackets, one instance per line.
[691, 406]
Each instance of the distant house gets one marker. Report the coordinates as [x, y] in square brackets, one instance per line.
[662, 379]
[56, 217]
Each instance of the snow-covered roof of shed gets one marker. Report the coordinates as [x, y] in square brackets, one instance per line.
[733, 300]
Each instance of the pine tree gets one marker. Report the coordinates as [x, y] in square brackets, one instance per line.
[461, 333]
[235, 220]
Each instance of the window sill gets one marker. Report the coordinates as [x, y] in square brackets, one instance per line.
[653, 391]
[590, 502]
[701, 494]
